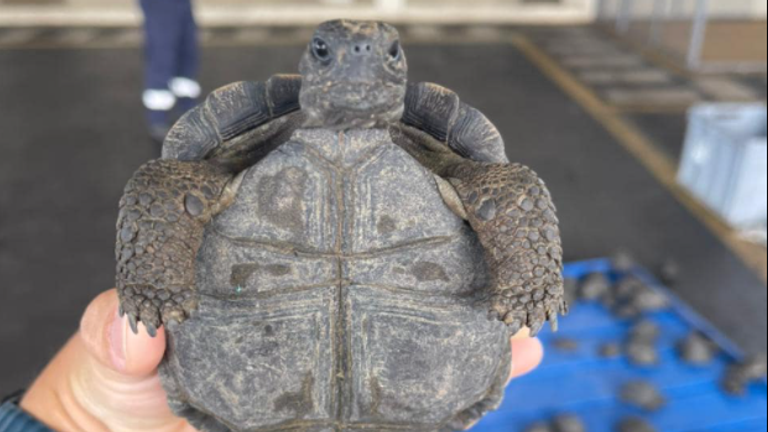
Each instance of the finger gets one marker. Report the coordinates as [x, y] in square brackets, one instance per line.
[527, 354]
[109, 339]
[104, 379]
[525, 333]
[115, 378]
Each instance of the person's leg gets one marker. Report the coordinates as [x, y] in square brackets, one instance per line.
[162, 29]
[184, 84]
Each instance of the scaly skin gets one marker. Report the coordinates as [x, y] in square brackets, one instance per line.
[512, 212]
[163, 214]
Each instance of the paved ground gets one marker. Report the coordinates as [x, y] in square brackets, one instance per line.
[71, 134]
[629, 82]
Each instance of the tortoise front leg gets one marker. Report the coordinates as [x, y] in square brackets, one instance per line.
[512, 212]
[163, 213]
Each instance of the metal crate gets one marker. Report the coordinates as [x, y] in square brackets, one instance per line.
[724, 162]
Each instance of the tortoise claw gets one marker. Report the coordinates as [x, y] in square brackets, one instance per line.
[515, 327]
[134, 323]
[151, 330]
[536, 325]
[523, 310]
[155, 307]
[554, 321]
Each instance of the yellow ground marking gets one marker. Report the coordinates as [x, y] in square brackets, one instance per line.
[658, 57]
[647, 153]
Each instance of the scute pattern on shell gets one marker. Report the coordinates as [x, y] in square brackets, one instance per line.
[513, 214]
[440, 112]
[386, 310]
[162, 217]
[229, 113]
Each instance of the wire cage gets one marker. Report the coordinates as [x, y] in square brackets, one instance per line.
[705, 35]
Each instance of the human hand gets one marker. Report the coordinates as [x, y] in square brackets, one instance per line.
[105, 378]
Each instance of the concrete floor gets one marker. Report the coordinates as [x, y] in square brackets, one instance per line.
[71, 134]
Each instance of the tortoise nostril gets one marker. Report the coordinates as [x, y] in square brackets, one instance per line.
[362, 48]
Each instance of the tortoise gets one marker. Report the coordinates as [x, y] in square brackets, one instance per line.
[337, 251]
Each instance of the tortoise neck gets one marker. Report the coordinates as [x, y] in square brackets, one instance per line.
[347, 147]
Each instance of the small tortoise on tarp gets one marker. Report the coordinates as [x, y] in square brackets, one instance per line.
[305, 243]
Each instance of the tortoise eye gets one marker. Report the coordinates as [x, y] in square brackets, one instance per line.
[395, 51]
[321, 50]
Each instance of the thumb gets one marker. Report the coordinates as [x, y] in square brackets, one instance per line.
[105, 378]
[109, 339]
[121, 387]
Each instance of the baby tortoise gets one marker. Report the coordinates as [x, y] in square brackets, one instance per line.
[560, 423]
[566, 345]
[594, 287]
[610, 350]
[697, 350]
[631, 298]
[539, 427]
[740, 376]
[643, 395]
[623, 261]
[325, 250]
[568, 423]
[634, 424]
[640, 346]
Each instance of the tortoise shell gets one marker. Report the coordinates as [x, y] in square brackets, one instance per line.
[338, 293]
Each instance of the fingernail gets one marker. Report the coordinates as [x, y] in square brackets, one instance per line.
[117, 342]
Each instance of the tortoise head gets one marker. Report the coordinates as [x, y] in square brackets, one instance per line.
[354, 76]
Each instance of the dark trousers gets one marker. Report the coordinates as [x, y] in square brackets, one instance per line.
[171, 41]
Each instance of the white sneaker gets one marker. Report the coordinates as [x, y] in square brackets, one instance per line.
[158, 100]
[185, 88]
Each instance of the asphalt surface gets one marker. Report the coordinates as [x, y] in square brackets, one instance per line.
[72, 133]
[667, 131]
